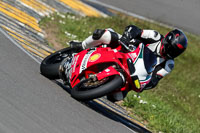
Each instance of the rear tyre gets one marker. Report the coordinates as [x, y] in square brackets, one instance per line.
[114, 83]
[50, 65]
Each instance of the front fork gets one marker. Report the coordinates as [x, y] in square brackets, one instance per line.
[64, 69]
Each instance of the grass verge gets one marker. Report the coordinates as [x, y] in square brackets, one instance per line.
[173, 106]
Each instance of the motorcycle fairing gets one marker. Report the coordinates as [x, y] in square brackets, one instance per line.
[90, 59]
[107, 72]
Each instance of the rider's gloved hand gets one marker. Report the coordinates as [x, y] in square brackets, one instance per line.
[77, 46]
[130, 34]
[154, 81]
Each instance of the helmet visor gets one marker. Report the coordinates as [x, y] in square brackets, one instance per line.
[170, 47]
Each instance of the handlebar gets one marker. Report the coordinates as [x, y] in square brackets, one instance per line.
[124, 45]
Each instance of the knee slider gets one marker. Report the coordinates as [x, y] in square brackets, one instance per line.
[97, 34]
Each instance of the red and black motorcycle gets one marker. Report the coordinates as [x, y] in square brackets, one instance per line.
[100, 71]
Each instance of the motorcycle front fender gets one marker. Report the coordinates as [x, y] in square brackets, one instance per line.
[110, 71]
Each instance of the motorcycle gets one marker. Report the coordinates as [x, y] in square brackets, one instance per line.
[101, 71]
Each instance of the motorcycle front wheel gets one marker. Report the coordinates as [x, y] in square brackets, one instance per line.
[88, 93]
[49, 67]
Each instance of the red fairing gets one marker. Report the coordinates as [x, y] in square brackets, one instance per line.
[102, 55]
[107, 72]
[86, 61]
[104, 62]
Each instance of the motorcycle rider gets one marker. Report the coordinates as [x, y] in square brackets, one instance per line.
[166, 48]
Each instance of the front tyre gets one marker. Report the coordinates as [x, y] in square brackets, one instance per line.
[114, 83]
[50, 65]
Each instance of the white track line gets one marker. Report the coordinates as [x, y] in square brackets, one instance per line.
[18, 45]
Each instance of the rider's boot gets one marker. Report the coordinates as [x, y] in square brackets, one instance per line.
[77, 46]
[117, 96]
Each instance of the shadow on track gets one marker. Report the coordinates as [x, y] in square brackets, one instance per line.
[107, 112]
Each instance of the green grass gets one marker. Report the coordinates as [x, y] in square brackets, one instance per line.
[174, 105]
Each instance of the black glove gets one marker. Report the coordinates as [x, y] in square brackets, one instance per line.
[77, 46]
[131, 32]
[130, 35]
[154, 81]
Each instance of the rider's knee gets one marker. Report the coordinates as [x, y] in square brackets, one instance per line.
[106, 36]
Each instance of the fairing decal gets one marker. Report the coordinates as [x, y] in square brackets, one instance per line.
[85, 61]
[138, 53]
[94, 57]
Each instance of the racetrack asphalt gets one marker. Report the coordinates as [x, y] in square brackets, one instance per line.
[183, 14]
[31, 103]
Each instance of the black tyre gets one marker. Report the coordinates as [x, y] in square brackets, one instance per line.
[50, 65]
[112, 84]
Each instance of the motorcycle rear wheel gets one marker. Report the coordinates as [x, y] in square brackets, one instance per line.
[114, 83]
[50, 65]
